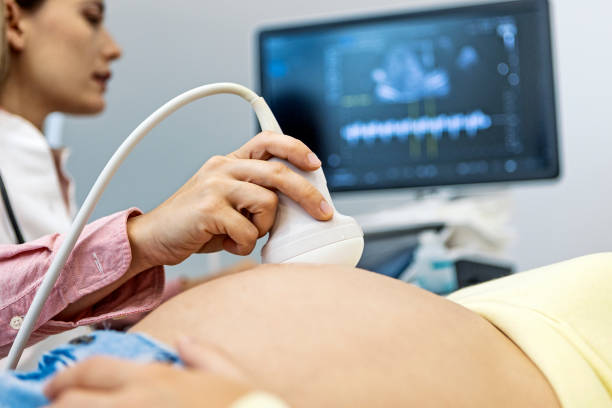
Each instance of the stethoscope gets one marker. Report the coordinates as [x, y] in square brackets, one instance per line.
[10, 212]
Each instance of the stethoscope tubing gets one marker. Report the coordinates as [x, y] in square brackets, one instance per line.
[11, 214]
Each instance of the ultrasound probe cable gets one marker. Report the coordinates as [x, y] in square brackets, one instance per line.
[266, 121]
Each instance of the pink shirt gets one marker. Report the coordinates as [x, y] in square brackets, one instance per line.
[101, 256]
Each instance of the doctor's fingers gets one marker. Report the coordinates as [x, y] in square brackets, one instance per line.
[276, 175]
[269, 144]
[242, 234]
[259, 202]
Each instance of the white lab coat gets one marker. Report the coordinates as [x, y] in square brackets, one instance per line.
[36, 186]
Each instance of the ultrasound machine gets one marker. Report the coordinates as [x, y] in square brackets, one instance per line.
[435, 98]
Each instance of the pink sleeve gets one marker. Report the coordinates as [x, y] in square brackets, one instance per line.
[171, 289]
[101, 256]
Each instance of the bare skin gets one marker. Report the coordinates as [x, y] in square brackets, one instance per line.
[326, 336]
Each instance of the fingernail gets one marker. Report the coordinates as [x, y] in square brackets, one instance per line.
[326, 208]
[313, 159]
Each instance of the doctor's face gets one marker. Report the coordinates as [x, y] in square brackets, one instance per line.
[66, 53]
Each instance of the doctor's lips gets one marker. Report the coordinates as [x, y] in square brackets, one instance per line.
[102, 78]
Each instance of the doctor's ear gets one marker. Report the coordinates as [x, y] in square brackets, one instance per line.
[13, 15]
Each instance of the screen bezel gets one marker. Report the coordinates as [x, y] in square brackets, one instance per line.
[553, 172]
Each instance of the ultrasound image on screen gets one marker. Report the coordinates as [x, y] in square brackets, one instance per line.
[437, 100]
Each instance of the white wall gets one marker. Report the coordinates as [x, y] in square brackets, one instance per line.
[573, 218]
[173, 46]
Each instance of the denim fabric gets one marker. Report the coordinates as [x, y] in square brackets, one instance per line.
[24, 390]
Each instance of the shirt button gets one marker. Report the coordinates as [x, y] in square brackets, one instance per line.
[16, 322]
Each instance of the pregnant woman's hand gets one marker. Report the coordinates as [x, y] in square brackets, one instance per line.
[209, 379]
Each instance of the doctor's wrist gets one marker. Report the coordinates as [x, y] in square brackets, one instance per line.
[139, 237]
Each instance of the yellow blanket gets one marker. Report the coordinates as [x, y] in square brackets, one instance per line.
[561, 317]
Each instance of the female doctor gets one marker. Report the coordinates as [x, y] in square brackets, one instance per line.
[57, 58]
[37, 192]
[60, 56]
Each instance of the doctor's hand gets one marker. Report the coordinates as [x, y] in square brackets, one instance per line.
[228, 204]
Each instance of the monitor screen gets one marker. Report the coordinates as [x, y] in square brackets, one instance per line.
[438, 97]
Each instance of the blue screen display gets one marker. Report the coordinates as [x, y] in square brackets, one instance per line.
[440, 97]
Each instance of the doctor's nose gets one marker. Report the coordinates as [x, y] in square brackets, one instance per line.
[112, 51]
